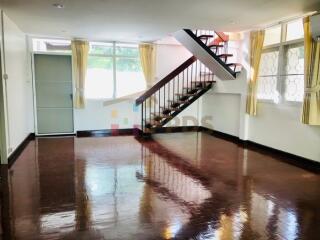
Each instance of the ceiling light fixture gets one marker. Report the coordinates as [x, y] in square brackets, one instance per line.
[58, 5]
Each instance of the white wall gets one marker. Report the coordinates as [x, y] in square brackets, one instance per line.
[19, 85]
[96, 116]
[276, 125]
[223, 112]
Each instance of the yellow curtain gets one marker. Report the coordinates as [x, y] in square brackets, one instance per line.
[80, 50]
[311, 100]
[256, 45]
[148, 63]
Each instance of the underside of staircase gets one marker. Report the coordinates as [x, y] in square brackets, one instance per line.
[211, 48]
[188, 82]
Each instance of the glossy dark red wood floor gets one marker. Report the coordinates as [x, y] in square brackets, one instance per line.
[178, 186]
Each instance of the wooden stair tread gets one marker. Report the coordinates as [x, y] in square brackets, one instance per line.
[161, 115]
[184, 94]
[171, 109]
[204, 36]
[234, 64]
[188, 88]
[215, 46]
[177, 101]
[202, 82]
[225, 55]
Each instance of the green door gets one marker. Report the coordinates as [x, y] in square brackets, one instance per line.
[53, 83]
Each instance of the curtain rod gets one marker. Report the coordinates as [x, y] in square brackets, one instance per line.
[289, 19]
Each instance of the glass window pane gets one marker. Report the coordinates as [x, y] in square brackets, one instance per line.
[130, 78]
[128, 50]
[295, 30]
[272, 35]
[267, 87]
[99, 81]
[101, 48]
[294, 80]
[51, 45]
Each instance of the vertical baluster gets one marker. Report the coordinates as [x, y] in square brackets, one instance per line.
[145, 112]
[183, 76]
[212, 79]
[173, 92]
[178, 83]
[200, 74]
[204, 75]
[198, 71]
[164, 95]
[169, 93]
[192, 78]
[187, 76]
[142, 122]
[154, 103]
[196, 76]
[207, 73]
[159, 99]
[150, 109]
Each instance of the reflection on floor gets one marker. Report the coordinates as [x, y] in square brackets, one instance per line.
[177, 186]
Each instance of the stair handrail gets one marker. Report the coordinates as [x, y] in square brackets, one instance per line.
[165, 80]
[224, 37]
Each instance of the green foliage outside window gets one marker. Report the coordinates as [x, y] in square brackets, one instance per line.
[128, 52]
[100, 62]
[128, 65]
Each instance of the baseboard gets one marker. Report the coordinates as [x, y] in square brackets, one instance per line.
[218, 134]
[108, 132]
[56, 135]
[133, 131]
[177, 129]
[287, 157]
[16, 153]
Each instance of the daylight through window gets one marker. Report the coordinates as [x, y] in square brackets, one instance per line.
[281, 74]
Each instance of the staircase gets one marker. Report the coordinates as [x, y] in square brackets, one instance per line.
[211, 48]
[174, 93]
[188, 82]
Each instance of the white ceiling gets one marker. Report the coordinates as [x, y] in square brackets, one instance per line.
[145, 20]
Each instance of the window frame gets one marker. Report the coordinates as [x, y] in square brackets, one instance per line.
[114, 57]
[282, 46]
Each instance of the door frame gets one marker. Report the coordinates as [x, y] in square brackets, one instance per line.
[3, 108]
[35, 93]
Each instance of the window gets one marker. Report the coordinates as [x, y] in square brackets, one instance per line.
[129, 74]
[294, 30]
[294, 77]
[114, 71]
[268, 72]
[51, 45]
[272, 36]
[100, 76]
[281, 73]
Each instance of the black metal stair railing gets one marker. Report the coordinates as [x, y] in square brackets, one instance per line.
[168, 97]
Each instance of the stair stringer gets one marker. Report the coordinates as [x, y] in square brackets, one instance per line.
[206, 57]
